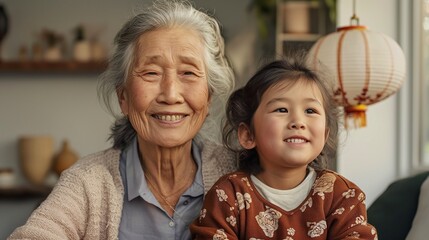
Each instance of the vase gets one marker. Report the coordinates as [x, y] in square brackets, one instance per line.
[98, 52]
[82, 51]
[7, 178]
[296, 17]
[65, 158]
[36, 155]
[53, 54]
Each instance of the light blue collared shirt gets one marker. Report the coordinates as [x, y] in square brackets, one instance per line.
[142, 215]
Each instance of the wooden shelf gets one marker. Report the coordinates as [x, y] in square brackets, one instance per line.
[51, 67]
[24, 192]
[317, 24]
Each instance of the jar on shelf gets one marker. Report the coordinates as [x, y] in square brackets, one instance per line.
[64, 158]
[82, 46]
[36, 154]
[7, 178]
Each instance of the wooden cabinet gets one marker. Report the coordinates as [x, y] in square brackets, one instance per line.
[300, 23]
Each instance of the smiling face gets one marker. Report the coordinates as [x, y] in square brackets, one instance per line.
[166, 96]
[289, 126]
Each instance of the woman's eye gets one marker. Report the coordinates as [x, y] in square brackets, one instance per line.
[282, 110]
[151, 73]
[144, 74]
[149, 76]
[189, 73]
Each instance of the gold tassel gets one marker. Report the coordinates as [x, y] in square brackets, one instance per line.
[355, 115]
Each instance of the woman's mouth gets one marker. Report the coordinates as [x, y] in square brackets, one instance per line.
[169, 117]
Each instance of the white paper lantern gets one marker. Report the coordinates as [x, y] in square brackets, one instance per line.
[368, 67]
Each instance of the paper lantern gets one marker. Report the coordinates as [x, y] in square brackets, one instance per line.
[368, 67]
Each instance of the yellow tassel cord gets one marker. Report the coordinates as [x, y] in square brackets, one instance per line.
[355, 115]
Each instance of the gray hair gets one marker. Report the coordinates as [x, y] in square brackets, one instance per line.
[167, 13]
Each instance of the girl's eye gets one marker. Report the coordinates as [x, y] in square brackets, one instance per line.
[310, 111]
[282, 110]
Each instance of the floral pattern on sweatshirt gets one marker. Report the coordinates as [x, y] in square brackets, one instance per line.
[234, 209]
[268, 221]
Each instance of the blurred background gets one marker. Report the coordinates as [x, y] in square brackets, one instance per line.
[53, 52]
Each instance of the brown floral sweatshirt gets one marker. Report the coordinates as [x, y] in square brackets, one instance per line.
[234, 209]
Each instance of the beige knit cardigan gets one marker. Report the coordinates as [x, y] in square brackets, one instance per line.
[86, 202]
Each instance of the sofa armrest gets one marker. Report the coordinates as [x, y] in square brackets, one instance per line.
[392, 213]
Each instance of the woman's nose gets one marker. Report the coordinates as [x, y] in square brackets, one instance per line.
[170, 90]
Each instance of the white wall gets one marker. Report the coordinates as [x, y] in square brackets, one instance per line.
[368, 155]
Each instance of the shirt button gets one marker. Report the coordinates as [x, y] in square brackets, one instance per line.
[185, 202]
[171, 224]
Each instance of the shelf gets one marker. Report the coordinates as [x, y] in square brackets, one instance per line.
[305, 37]
[299, 24]
[51, 67]
[19, 192]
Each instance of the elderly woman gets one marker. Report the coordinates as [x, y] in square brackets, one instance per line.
[167, 69]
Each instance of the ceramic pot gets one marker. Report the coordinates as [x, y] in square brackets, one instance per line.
[296, 17]
[53, 54]
[36, 155]
[65, 158]
[82, 51]
[98, 52]
[7, 178]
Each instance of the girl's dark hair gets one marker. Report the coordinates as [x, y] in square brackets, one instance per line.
[243, 102]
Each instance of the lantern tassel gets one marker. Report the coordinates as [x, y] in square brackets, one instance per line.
[355, 115]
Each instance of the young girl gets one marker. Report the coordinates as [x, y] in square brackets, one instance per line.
[286, 122]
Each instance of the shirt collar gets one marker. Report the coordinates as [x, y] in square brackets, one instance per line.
[134, 172]
[136, 181]
[197, 187]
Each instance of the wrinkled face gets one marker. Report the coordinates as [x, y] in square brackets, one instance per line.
[166, 96]
[289, 126]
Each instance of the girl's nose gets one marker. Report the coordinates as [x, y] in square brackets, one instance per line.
[296, 124]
